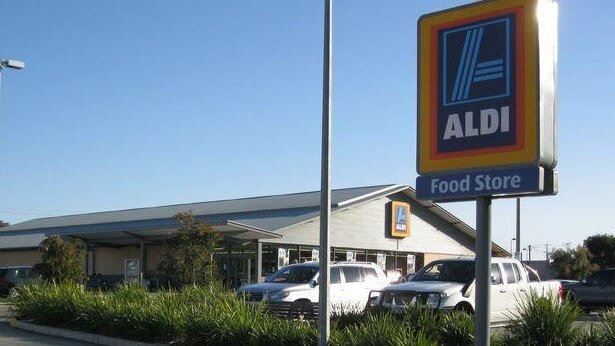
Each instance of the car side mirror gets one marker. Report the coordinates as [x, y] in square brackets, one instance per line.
[313, 282]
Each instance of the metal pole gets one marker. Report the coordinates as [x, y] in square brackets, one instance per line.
[324, 309]
[259, 260]
[518, 249]
[483, 270]
[142, 263]
[512, 252]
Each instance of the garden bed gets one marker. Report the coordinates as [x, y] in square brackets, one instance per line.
[215, 316]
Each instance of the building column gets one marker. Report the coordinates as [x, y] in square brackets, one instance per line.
[87, 260]
[259, 260]
[142, 262]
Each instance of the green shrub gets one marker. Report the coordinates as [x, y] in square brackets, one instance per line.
[188, 253]
[589, 337]
[606, 329]
[62, 259]
[456, 328]
[213, 315]
[55, 304]
[380, 329]
[420, 319]
[542, 321]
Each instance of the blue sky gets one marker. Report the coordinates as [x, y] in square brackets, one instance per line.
[128, 104]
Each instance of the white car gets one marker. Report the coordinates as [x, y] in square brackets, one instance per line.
[293, 290]
[448, 285]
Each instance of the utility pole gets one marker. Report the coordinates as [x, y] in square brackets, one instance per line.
[547, 251]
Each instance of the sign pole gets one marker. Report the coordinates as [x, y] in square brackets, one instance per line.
[324, 309]
[483, 270]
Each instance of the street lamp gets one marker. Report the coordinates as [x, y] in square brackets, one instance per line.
[12, 64]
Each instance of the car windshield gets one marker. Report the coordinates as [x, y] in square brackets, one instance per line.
[293, 275]
[462, 272]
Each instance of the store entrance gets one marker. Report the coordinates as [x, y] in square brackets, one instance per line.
[236, 269]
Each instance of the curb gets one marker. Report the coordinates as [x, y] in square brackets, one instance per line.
[75, 335]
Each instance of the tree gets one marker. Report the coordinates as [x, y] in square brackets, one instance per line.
[602, 248]
[62, 260]
[572, 263]
[4, 224]
[188, 257]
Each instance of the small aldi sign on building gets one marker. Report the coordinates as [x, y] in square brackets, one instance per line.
[400, 219]
[486, 99]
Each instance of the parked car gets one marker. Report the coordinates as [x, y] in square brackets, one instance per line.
[293, 290]
[597, 291]
[448, 285]
[14, 276]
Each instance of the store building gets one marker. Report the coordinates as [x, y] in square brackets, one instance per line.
[382, 224]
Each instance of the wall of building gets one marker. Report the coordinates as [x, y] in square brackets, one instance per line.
[110, 261]
[20, 257]
[430, 257]
[364, 226]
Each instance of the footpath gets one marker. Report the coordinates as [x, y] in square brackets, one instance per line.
[14, 332]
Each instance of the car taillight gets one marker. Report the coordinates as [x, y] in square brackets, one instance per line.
[3, 282]
[561, 291]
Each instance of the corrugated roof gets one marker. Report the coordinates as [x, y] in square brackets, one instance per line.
[266, 212]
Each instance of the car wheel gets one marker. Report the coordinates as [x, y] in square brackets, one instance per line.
[301, 310]
[464, 308]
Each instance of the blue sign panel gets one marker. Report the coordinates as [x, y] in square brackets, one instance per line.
[401, 221]
[482, 183]
[476, 98]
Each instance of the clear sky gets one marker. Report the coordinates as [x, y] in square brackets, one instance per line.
[139, 103]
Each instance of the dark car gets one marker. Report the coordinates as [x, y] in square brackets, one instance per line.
[14, 276]
[597, 291]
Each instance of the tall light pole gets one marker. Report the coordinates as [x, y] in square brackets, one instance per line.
[12, 64]
[324, 308]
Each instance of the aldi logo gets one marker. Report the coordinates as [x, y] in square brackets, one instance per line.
[477, 108]
[476, 61]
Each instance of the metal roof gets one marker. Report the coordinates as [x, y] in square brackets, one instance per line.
[238, 220]
[241, 219]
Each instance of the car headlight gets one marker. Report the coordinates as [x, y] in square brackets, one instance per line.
[279, 295]
[433, 300]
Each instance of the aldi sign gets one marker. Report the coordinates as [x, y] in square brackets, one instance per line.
[486, 88]
[476, 103]
[400, 219]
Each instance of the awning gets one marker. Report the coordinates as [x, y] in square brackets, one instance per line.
[231, 231]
